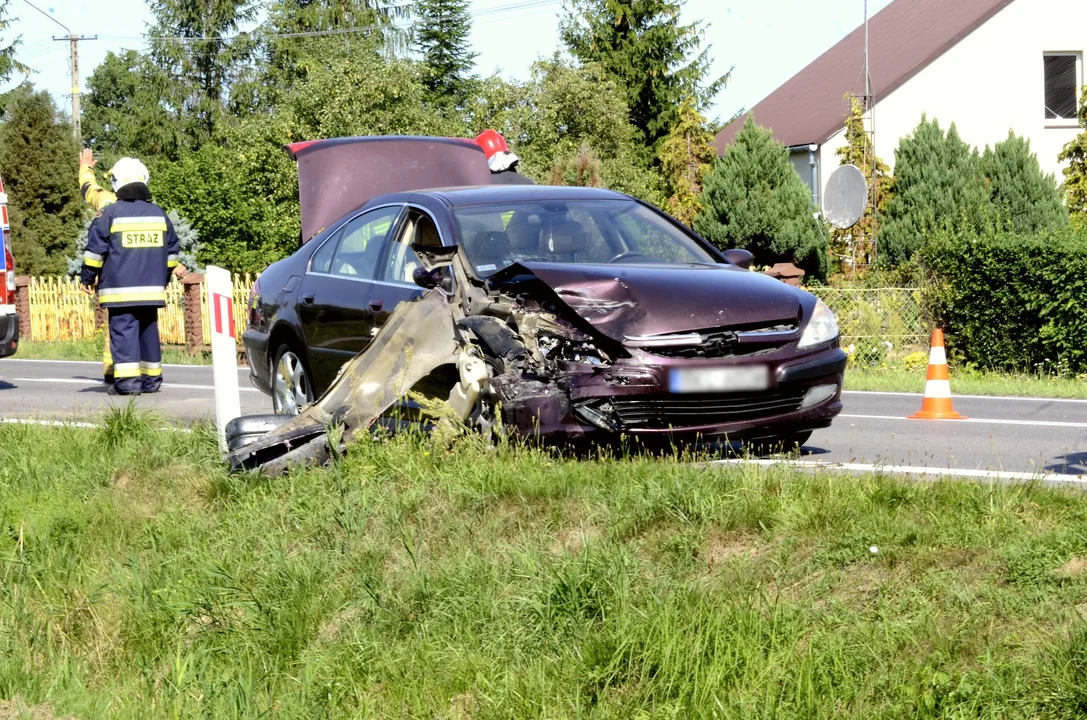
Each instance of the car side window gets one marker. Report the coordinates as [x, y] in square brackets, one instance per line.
[363, 240]
[322, 259]
[402, 260]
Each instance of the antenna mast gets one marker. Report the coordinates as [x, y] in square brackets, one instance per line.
[870, 111]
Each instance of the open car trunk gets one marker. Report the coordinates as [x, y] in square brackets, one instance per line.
[338, 175]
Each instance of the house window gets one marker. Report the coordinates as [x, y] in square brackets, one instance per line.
[1062, 71]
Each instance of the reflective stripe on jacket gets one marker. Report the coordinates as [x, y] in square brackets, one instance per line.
[131, 248]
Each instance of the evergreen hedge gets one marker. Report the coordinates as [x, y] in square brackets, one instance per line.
[1012, 302]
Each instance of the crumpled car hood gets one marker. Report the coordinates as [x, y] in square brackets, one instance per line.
[622, 301]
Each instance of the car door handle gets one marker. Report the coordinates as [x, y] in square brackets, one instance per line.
[376, 305]
[308, 299]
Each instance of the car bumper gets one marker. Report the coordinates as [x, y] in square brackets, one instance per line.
[9, 335]
[256, 355]
[634, 400]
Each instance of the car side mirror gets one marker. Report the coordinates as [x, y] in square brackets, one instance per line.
[427, 279]
[742, 258]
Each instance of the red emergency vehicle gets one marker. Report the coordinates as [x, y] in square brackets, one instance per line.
[9, 320]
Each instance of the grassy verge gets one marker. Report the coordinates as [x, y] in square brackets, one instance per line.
[412, 580]
[92, 350]
[968, 383]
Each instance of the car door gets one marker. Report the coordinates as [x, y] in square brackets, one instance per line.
[334, 299]
[395, 284]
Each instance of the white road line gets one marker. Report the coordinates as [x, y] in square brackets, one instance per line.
[48, 423]
[911, 470]
[968, 397]
[983, 421]
[165, 385]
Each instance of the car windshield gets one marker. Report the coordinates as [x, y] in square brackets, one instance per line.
[572, 231]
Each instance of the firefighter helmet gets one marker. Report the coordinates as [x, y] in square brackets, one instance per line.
[127, 171]
[499, 157]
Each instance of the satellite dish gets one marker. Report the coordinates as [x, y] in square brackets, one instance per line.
[846, 197]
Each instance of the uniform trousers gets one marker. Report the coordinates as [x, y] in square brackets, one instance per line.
[136, 350]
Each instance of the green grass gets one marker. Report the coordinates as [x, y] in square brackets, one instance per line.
[92, 350]
[972, 382]
[411, 580]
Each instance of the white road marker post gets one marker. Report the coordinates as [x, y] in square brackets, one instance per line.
[224, 348]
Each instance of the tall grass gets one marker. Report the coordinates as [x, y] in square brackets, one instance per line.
[417, 580]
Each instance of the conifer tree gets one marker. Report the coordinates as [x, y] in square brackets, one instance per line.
[1025, 200]
[1075, 175]
[38, 161]
[8, 63]
[755, 199]
[939, 185]
[442, 32]
[686, 155]
[658, 62]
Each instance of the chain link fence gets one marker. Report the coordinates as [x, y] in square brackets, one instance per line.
[881, 326]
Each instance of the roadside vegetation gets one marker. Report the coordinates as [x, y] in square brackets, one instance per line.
[416, 579]
[970, 382]
[92, 350]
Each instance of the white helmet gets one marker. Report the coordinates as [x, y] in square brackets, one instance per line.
[127, 171]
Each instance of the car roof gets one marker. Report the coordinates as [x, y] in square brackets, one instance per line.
[487, 194]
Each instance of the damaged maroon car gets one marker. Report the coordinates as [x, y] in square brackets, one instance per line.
[560, 313]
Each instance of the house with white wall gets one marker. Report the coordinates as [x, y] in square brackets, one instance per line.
[989, 66]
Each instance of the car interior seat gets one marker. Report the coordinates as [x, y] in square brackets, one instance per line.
[523, 231]
[563, 238]
[492, 248]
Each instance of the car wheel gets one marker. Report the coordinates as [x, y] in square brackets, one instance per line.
[781, 444]
[292, 388]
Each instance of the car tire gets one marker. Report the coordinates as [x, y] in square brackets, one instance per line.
[292, 383]
[787, 443]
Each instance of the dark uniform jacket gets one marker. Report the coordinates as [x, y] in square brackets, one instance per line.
[131, 249]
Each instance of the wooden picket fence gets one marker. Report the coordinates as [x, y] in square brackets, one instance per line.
[59, 310]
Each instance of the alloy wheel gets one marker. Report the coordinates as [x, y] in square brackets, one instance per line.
[292, 387]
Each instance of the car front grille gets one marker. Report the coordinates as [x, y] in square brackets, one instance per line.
[678, 411]
[727, 342]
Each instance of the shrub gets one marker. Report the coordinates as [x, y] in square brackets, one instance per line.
[938, 186]
[754, 199]
[1012, 302]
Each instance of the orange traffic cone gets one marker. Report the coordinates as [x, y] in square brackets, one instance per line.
[936, 404]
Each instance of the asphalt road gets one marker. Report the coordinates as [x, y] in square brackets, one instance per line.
[70, 390]
[1009, 435]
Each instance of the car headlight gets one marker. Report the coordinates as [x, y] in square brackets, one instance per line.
[822, 327]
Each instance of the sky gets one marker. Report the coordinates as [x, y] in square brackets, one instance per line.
[763, 42]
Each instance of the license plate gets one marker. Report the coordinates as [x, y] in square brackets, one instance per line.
[729, 379]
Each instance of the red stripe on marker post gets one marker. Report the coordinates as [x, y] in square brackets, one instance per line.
[224, 315]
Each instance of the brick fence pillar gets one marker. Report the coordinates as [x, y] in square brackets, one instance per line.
[194, 312]
[22, 305]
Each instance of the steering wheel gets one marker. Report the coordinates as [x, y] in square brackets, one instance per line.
[626, 255]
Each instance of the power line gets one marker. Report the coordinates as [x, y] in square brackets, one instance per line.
[58, 22]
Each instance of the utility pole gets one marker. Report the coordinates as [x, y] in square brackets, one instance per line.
[73, 51]
[73, 56]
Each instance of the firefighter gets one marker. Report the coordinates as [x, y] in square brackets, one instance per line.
[500, 160]
[131, 249]
[99, 199]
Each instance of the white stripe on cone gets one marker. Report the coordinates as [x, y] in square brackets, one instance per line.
[937, 356]
[937, 389]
